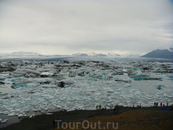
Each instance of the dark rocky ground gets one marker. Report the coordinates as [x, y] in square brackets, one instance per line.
[44, 122]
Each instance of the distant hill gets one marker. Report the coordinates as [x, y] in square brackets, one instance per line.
[160, 54]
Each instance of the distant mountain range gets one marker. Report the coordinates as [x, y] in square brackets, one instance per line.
[113, 54]
[21, 53]
[95, 54]
[91, 54]
[167, 53]
[34, 54]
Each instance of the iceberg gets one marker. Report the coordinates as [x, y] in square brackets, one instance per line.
[46, 74]
[159, 86]
[144, 77]
[14, 86]
[122, 78]
[72, 74]
[128, 85]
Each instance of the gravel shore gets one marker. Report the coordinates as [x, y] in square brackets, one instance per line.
[44, 122]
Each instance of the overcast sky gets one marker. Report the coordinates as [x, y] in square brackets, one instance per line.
[71, 26]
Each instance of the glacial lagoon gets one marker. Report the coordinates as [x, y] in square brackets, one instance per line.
[30, 87]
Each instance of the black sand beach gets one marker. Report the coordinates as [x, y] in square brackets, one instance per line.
[44, 122]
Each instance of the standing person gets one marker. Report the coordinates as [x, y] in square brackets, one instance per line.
[100, 107]
[163, 108]
[114, 109]
[167, 104]
[157, 104]
[161, 104]
[117, 109]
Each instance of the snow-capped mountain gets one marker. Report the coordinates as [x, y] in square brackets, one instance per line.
[25, 54]
[132, 55]
[167, 53]
[170, 49]
[80, 54]
[89, 54]
[100, 54]
[95, 54]
[113, 54]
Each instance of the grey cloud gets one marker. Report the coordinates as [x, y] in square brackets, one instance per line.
[64, 26]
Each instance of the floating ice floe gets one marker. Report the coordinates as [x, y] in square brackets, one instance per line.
[144, 77]
[3, 121]
[122, 78]
[46, 74]
[159, 86]
[128, 85]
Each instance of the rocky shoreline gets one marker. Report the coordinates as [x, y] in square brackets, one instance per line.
[44, 122]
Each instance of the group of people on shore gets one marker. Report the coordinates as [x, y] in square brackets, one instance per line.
[161, 104]
[164, 107]
[156, 104]
[57, 122]
[98, 107]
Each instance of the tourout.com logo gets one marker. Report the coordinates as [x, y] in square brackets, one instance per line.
[87, 125]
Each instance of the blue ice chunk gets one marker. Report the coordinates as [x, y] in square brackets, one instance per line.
[90, 79]
[128, 85]
[145, 78]
[104, 73]
[14, 86]
[171, 77]
[119, 90]
[110, 92]
[159, 86]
